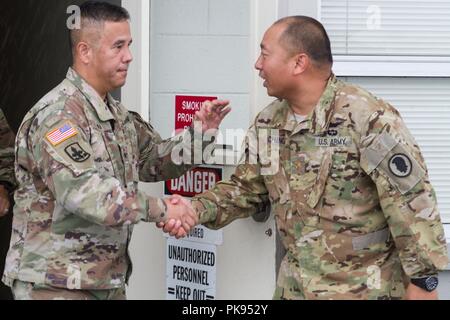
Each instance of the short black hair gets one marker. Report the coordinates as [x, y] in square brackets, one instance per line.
[98, 12]
[103, 11]
[306, 34]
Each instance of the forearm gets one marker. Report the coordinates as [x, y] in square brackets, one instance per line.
[416, 228]
[171, 158]
[228, 201]
[7, 167]
[102, 200]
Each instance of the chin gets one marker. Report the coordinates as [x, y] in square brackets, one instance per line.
[271, 93]
[120, 84]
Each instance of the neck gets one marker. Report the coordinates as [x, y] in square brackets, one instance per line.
[87, 75]
[306, 98]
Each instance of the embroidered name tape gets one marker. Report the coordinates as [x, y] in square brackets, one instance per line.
[61, 134]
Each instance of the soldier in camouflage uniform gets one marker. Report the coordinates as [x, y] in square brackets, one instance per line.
[80, 156]
[350, 194]
[7, 179]
[7, 185]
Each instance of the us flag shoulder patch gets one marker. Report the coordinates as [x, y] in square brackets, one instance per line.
[61, 134]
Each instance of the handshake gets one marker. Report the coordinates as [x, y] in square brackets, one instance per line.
[181, 217]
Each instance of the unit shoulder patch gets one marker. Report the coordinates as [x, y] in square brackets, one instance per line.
[77, 153]
[400, 165]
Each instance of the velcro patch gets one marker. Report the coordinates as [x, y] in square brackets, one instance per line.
[61, 134]
[394, 160]
[77, 153]
[333, 141]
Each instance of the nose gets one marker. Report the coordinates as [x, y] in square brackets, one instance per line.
[128, 57]
[258, 64]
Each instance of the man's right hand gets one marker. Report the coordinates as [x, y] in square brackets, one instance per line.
[181, 217]
[4, 201]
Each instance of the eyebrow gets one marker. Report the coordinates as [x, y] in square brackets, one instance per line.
[121, 42]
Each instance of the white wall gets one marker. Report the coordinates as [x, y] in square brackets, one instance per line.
[147, 246]
[199, 47]
[205, 52]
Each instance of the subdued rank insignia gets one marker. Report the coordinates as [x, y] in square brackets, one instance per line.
[400, 165]
[332, 133]
[76, 153]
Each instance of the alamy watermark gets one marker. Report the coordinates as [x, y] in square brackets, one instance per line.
[373, 21]
[73, 22]
[259, 148]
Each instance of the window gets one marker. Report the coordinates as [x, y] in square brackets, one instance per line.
[388, 27]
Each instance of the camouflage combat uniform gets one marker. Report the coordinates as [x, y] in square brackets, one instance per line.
[7, 179]
[79, 160]
[6, 154]
[352, 199]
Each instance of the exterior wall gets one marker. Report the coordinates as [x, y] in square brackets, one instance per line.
[206, 52]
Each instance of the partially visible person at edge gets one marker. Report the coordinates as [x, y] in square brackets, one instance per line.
[350, 194]
[80, 156]
[7, 186]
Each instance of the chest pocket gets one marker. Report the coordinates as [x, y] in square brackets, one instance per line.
[273, 158]
[122, 152]
[302, 175]
[100, 138]
[132, 152]
[319, 184]
[309, 171]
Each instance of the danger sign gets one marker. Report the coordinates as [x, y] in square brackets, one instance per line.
[185, 109]
[194, 182]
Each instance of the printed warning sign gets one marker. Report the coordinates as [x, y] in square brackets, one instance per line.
[186, 107]
[191, 270]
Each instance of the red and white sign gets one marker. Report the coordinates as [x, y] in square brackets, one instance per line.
[194, 182]
[185, 109]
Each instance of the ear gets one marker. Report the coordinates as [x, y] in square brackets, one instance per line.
[302, 62]
[84, 52]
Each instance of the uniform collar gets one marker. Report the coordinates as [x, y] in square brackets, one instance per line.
[282, 118]
[323, 112]
[92, 96]
[318, 120]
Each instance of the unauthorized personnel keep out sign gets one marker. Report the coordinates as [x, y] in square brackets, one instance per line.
[191, 270]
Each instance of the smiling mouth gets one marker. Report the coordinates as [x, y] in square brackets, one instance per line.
[264, 79]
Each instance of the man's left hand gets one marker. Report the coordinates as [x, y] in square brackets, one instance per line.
[4, 201]
[416, 293]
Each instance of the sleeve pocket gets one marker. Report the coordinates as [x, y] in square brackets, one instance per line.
[394, 161]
